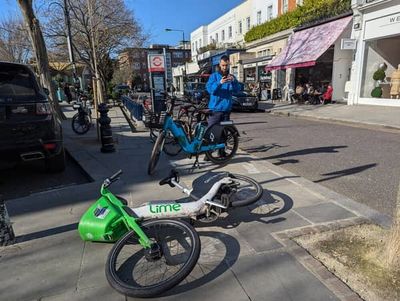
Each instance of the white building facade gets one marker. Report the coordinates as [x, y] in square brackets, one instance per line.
[198, 39]
[229, 29]
[376, 37]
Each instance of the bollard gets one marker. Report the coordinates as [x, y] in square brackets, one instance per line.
[107, 142]
[7, 236]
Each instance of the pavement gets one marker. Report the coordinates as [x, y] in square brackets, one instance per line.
[356, 115]
[247, 254]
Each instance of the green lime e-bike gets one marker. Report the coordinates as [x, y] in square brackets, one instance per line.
[154, 249]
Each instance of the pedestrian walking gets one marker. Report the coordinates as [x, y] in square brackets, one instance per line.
[67, 92]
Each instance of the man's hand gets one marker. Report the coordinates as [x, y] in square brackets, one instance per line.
[226, 79]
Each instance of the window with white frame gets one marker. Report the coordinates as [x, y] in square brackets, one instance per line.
[269, 12]
[230, 32]
[200, 43]
[211, 40]
[299, 2]
[285, 6]
[223, 35]
[259, 17]
[248, 23]
[240, 27]
[197, 46]
[216, 37]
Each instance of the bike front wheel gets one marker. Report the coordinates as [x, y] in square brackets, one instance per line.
[81, 124]
[143, 273]
[155, 154]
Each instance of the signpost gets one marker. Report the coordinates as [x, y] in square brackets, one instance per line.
[156, 64]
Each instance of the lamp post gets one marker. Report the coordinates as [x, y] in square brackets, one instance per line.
[184, 47]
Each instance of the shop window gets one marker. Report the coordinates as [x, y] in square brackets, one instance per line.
[381, 72]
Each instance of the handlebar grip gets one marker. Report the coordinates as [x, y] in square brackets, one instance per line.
[115, 176]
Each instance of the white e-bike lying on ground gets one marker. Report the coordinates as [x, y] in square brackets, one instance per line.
[154, 249]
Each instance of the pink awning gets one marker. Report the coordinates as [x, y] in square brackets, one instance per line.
[306, 46]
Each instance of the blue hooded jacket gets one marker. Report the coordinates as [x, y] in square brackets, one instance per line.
[221, 94]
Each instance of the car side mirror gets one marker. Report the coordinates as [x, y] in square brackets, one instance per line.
[46, 91]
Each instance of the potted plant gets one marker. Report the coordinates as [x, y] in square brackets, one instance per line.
[379, 76]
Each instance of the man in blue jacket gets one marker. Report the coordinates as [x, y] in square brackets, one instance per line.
[221, 85]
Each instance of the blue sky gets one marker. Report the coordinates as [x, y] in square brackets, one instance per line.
[156, 15]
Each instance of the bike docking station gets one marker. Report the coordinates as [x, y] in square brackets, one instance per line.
[156, 64]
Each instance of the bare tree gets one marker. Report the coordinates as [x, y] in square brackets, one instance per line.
[39, 48]
[112, 28]
[14, 41]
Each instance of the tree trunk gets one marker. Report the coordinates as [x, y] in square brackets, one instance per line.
[39, 48]
[393, 244]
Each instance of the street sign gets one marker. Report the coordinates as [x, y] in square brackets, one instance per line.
[348, 44]
[156, 63]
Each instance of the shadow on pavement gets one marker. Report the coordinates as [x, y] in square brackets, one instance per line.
[46, 233]
[218, 252]
[272, 204]
[346, 172]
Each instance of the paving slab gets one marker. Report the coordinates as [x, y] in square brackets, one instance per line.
[278, 276]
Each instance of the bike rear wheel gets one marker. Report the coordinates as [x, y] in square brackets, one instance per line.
[81, 124]
[155, 154]
[244, 191]
[138, 272]
[231, 140]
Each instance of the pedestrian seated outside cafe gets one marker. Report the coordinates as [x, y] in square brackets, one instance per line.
[308, 93]
[298, 96]
[327, 95]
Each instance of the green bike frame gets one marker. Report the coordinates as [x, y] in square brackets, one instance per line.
[107, 221]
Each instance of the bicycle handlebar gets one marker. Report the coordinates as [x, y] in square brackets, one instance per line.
[115, 176]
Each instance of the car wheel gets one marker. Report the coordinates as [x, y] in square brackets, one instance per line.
[56, 163]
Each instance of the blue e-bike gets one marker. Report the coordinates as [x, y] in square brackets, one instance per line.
[219, 142]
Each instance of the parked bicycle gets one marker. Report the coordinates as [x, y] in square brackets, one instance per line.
[219, 142]
[82, 121]
[153, 252]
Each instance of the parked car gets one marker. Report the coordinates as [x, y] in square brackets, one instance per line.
[244, 100]
[121, 88]
[29, 127]
[195, 91]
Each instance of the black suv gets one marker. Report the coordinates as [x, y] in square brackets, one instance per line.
[29, 127]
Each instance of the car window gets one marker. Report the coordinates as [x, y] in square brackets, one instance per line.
[200, 86]
[17, 84]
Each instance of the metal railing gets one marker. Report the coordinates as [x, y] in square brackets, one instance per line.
[135, 109]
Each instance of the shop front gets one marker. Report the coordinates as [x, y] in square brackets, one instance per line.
[376, 69]
[314, 55]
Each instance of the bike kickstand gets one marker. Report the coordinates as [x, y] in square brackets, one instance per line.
[196, 163]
